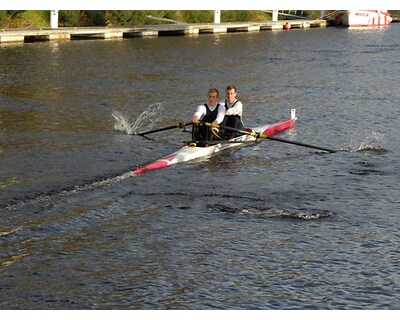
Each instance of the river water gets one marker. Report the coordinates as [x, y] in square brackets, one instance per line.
[268, 226]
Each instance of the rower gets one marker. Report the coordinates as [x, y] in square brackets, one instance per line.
[210, 112]
[233, 112]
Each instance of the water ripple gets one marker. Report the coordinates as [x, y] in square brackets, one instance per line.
[302, 214]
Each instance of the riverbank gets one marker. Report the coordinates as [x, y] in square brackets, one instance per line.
[86, 33]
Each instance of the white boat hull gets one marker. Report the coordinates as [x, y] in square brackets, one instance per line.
[363, 18]
[189, 152]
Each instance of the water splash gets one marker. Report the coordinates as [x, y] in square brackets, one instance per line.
[147, 119]
[372, 143]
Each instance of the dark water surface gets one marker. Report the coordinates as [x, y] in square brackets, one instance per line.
[270, 226]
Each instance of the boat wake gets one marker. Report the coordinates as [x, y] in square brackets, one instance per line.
[54, 195]
[148, 119]
[99, 183]
[302, 214]
[271, 213]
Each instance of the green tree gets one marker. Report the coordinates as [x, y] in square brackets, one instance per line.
[69, 18]
[96, 17]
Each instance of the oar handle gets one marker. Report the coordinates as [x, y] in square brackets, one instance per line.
[213, 142]
[251, 133]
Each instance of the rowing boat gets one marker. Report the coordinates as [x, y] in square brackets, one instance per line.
[190, 151]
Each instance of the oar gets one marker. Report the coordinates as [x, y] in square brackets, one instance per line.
[258, 135]
[179, 125]
[299, 143]
[213, 142]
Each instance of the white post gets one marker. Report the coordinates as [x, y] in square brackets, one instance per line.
[322, 13]
[54, 19]
[274, 15]
[217, 16]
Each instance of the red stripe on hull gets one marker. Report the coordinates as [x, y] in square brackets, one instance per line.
[279, 127]
[158, 164]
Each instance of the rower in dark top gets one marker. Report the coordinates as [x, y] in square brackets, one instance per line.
[210, 112]
[233, 112]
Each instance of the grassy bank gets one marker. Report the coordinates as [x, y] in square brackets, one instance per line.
[24, 19]
[41, 19]
[85, 18]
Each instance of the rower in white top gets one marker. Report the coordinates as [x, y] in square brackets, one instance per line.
[233, 112]
[210, 112]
